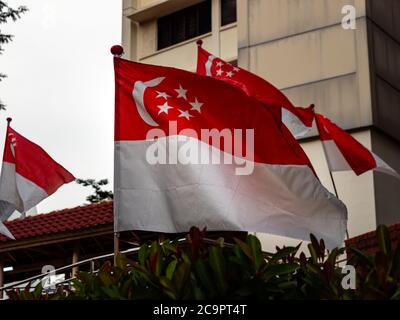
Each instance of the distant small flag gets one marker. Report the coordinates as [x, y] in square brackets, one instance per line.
[343, 152]
[28, 176]
[297, 119]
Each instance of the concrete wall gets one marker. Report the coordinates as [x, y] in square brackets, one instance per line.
[301, 47]
[140, 37]
[387, 188]
[384, 52]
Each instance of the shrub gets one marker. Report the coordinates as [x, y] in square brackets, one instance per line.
[198, 269]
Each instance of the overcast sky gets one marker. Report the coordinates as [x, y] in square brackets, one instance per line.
[60, 86]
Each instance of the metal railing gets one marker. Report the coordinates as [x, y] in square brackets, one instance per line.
[90, 261]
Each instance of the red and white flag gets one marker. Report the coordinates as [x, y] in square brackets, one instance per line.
[195, 151]
[297, 119]
[343, 152]
[28, 175]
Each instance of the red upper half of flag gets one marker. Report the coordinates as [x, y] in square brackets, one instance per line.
[33, 163]
[359, 158]
[253, 85]
[149, 97]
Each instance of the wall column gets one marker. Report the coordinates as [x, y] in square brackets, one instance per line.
[215, 26]
[75, 258]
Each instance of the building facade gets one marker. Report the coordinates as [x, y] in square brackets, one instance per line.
[352, 75]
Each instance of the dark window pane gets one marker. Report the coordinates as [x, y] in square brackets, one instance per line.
[228, 12]
[184, 24]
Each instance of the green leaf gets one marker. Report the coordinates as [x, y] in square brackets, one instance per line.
[143, 254]
[396, 261]
[281, 269]
[383, 236]
[288, 285]
[38, 290]
[217, 263]
[315, 245]
[168, 287]
[156, 259]
[171, 269]
[284, 253]
[360, 255]
[181, 277]
[396, 295]
[245, 248]
[255, 247]
[203, 275]
[313, 253]
[105, 278]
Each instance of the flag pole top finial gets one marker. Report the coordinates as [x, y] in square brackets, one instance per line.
[9, 121]
[199, 42]
[117, 50]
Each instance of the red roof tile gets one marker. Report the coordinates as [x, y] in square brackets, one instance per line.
[367, 242]
[78, 218]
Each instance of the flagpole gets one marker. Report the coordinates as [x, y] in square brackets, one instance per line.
[117, 51]
[333, 180]
[9, 121]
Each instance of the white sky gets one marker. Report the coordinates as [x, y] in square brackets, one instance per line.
[60, 86]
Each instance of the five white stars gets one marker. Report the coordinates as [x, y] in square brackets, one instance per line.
[181, 92]
[196, 105]
[185, 114]
[164, 108]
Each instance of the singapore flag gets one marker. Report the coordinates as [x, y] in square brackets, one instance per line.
[191, 150]
[345, 153]
[297, 119]
[28, 175]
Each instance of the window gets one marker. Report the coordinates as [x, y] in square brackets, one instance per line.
[184, 24]
[228, 12]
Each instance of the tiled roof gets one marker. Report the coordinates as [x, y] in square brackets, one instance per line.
[78, 218]
[368, 243]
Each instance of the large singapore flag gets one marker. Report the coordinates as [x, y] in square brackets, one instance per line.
[28, 175]
[191, 150]
[343, 152]
[297, 119]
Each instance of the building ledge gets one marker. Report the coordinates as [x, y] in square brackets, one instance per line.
[160, 9]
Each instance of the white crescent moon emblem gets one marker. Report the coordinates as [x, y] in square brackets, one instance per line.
[138, 94]
[208, 65]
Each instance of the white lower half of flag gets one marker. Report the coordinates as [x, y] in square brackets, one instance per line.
[278, 199]
[296, 127]
[335, 159]
[17, 192]
[337, 162]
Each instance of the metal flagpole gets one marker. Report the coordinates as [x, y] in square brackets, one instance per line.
[333, 181]
[117, 51]
[330, 172]
[336, 193]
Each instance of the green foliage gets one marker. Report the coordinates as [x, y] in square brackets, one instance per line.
[197, 270]
[378, 275]
[99, 193]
